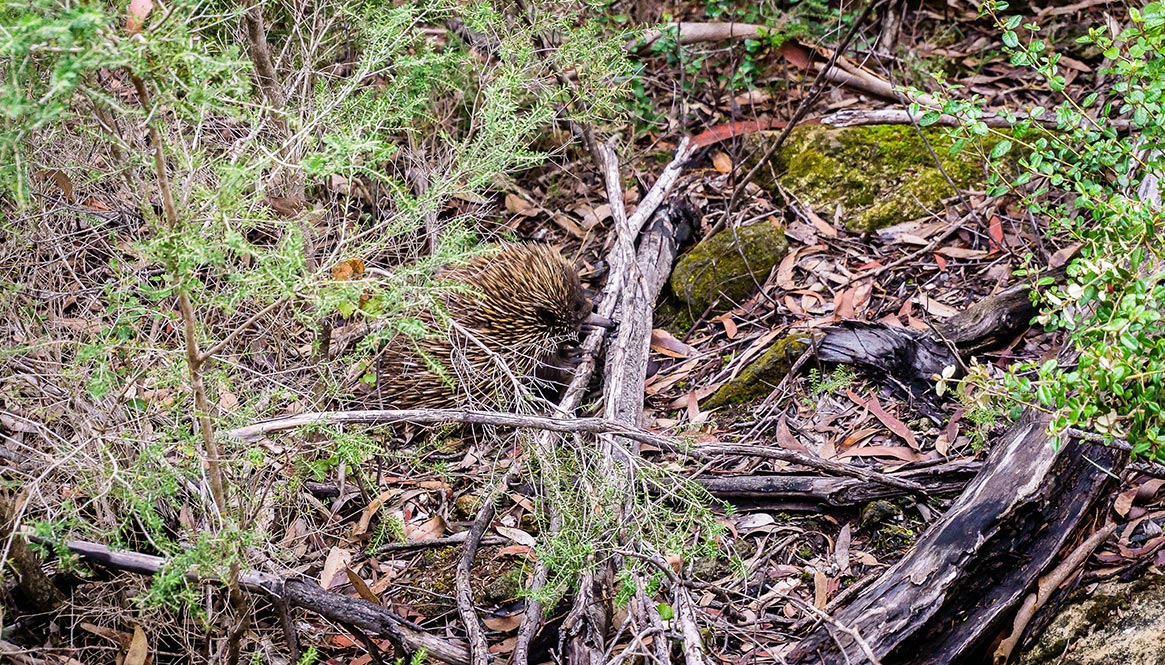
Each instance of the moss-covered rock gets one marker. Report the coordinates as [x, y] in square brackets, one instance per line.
[715, 270]
[760, 376]
[1117, 622]
[879, 175]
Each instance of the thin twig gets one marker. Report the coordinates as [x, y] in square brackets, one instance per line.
[807, 102]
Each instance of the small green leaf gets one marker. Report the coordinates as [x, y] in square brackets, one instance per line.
[666, 612]
[929, 118]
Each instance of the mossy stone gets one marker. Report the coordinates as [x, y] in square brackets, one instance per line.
[759, 377]
[879, 175]
[714, 271]
[1113, 622]
[875, 513]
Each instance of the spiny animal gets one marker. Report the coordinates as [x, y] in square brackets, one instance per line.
[514, 311]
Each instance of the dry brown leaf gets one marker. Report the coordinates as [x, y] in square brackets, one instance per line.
[348, 270]
[361, 588]
[661, 381]
[857, 436]
[434, 527]
[785, 270]
[505, 646]
[841, 550]
[1064, 255]
[942, 445]
[503, 624]
[823, 227]
[753, 96]
[138, 11]
[519, 206]
[338, 559]
[730, 328]
[61, 179]
[786, 440]
[123, 638]
[820, 589]
[722, 162]
[517, 550]
[227, 400]
[1124, 501]
[862, 297]
[961, 252]
[995, 231]
[517, 535]
[911, 239]
[843, 303]
[893, 424]
[373, 506]
[752, 522]
[567, 224]
[286, 206]
[139, 648]
[1148, 489]
[935, 308]
[666, 343]
[93, 203]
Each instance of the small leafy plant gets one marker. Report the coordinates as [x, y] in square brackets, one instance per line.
[1089, 165]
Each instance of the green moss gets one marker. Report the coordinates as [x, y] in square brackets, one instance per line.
[877, 512]
[504, 587]
[760, 376]
[879, 175]
[726, 267]
[893, 538]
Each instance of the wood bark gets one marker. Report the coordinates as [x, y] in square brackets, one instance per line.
[949, 597]
[810, 492]
[303, 594]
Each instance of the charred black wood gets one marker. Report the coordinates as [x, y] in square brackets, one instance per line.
[949, 598]
[909, 360]
[809, 492]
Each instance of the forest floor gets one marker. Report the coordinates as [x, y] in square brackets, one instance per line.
[780, 553]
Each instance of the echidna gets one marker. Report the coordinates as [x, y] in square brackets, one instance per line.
[521, 305]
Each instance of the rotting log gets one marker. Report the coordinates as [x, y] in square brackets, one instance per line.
[947, 600]
[911, 358]
[812, 492]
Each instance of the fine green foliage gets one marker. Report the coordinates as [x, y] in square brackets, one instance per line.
[1082, 164]
[840, 378]
[602, 511]
[103, 126]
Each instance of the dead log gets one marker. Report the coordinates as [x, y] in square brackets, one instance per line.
[947, 600]
[911, 358]
[807, 492]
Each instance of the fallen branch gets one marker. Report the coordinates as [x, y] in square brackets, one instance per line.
[299, 593]
[805, 492]
[1029, 499]
[611, 299]
[562, 425]
[694, 33]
